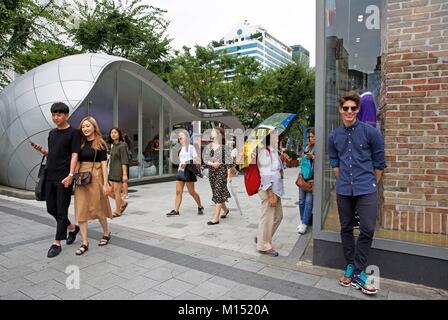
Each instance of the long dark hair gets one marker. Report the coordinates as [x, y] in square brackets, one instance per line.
[120, 135]
[222, 132]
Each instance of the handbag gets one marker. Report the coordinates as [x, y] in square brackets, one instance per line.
[39, 190]
[304, 185]
[84, 178]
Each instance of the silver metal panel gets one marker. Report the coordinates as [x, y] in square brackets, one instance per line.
[17, 173]
[50, 93]
[76, 90]
[23, 84]
[34, 122]
[26, 102]
[46, 76]
[80, 73]
[16, 133]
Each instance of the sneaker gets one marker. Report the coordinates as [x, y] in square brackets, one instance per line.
[347, 278]
[302, 228]
[201, 211]
[360, 282]
[172, 213]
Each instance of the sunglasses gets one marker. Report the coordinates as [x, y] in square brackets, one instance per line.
[353, 109]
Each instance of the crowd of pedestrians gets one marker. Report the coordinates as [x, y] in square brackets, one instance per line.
[356, 154]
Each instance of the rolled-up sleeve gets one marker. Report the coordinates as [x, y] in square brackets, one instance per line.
[378, 159]
[333, 152]
[123, 154]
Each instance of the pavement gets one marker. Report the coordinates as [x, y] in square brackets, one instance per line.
[154, 257]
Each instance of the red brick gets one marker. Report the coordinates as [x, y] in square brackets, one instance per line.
[427, 87]
[428, 222]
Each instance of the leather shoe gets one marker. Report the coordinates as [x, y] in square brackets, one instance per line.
[54, 251]
[72, 235]
[210, 223]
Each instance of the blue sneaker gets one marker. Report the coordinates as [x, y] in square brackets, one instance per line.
[347, 278]
[360, 282]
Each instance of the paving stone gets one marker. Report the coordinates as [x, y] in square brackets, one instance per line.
[100, 268]
[121, 261]
[43, 289]
[16, 296]
[210, 290]
[302, 278]
[11, 286]
[45, 275]
[401, 296]
[106, 281]
[151, 263]
[114, 293]
[152, 295]
[249, 265]
[130, 271]
[139, 285]
[194, 277]
[173, 287]
[276, 296]
[332, 285]
[247, 292]
[274, 272]
[85, 291]
[161, 274]
[189, 296]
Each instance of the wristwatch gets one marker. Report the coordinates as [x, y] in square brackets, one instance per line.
[70, 174]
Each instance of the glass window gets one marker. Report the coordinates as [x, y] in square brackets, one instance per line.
[355, 44]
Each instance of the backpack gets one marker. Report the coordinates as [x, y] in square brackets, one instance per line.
[252, 178]
[307, 168]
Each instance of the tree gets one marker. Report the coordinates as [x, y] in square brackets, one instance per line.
[41, 52]
[198, 78]
[133, 31]
[21, 23]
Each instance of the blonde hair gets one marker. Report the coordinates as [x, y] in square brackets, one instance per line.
[98, 142]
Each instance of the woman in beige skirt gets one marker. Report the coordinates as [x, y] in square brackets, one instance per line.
[91, 201]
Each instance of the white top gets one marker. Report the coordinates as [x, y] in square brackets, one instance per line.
[270, 167]
[186, 156]
[234, 153]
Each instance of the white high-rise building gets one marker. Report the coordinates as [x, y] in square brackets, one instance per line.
[254, 41]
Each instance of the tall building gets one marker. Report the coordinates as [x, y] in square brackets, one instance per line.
[254, 41]
[301, 55]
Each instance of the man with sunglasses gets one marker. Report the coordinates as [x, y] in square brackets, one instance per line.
[356, 153]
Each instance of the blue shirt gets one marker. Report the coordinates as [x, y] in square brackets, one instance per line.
[357, 151]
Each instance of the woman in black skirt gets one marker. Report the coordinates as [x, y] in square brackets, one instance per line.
[187, 154]
[219, 161]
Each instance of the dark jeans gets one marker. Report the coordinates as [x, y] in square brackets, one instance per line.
[58, 201]
[366, 206]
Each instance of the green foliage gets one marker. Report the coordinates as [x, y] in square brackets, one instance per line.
[134, 31]
[292, 154]
[24, 21]
[41, 52]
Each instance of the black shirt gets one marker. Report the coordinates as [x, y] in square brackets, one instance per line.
[87, 154]
[61, 145]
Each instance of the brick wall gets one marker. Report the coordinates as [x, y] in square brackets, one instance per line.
[414, 116]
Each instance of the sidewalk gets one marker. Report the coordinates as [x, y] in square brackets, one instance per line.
[154, 257]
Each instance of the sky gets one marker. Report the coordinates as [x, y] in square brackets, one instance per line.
[202, 21]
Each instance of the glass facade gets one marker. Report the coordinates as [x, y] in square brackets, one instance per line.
[142, 115]
[357, 42]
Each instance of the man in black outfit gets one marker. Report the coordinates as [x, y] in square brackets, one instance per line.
[62, 156]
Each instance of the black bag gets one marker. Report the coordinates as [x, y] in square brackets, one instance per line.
[186, 174]
[39, 190]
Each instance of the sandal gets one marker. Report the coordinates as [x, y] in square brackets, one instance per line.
[116, 214]
[123, 207]
[224, 215]
[104, 240]
[82, 249]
